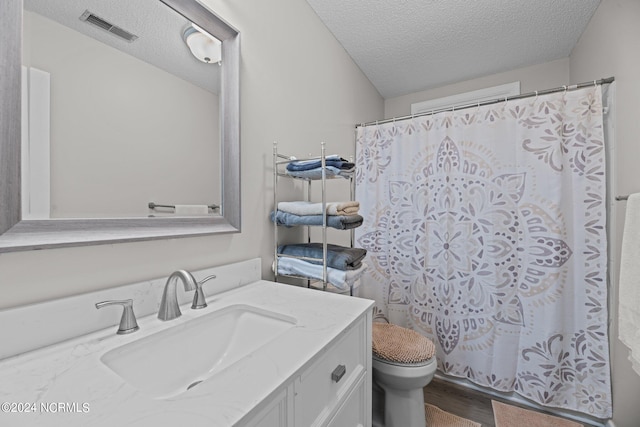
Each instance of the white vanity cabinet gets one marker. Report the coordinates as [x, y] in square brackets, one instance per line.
[354, 410]
[276, 413]
[333, 390]
[289, 381]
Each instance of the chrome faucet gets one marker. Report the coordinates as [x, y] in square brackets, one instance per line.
[169, 308]
[199, 300]
[128, 321]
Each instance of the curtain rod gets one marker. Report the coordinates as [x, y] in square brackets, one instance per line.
[494, 101]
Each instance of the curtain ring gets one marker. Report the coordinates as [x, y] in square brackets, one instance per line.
[565, 89]
[595, 84]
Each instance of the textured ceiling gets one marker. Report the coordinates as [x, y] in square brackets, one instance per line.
[158, 27]
[405, 46]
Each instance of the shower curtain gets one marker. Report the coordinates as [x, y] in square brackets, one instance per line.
[486, 232]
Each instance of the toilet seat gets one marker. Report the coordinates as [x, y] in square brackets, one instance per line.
[403, 364]
[404, 376]
[400, 346]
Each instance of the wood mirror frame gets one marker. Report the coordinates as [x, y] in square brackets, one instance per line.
[17, 234]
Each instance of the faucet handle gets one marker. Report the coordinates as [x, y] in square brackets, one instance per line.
[199, 300]
[128, 321]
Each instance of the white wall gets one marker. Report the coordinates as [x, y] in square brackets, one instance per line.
[535, 77]
[610, 46]
[298, 86]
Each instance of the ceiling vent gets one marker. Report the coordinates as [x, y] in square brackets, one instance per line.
[107, 26]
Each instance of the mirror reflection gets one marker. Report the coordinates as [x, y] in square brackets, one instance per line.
[120, 109]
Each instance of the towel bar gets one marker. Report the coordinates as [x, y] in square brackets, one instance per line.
[622, 198]
[155, 205]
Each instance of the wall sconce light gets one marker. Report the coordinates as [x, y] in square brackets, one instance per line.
[203, 45]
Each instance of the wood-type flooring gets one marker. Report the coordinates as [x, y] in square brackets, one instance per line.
[464, 402]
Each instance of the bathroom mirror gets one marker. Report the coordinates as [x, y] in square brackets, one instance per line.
[216, 177]
[117, 110]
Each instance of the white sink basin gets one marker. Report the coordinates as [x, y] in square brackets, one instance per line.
[172, 361]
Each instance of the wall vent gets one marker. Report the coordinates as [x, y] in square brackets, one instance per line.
[107, 26]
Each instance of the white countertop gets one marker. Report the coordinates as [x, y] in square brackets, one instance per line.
[71, 373]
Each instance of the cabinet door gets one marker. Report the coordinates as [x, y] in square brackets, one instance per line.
[321, 389]
[352, 411]
[275, 414]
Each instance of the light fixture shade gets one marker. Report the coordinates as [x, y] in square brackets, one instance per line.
[202, 45]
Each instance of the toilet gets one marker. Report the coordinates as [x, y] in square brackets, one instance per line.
[403, 363]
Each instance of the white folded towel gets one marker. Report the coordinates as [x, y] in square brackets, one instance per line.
[309, 208]
[629, 287]
[341, 279]
[189, 210]
[343, 208]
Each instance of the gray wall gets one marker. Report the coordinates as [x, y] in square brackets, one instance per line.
[610, 46]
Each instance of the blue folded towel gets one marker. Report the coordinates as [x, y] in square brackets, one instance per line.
[330, 172]
[341, 279]
[315, 173]
[339, 257]
[341, 222]
[334, 161]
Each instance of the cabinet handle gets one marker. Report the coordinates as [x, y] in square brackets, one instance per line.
[338, 373]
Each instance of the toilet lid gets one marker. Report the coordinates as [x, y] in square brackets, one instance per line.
[401, 345]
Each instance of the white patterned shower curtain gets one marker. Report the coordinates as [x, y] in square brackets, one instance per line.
[486, 232]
